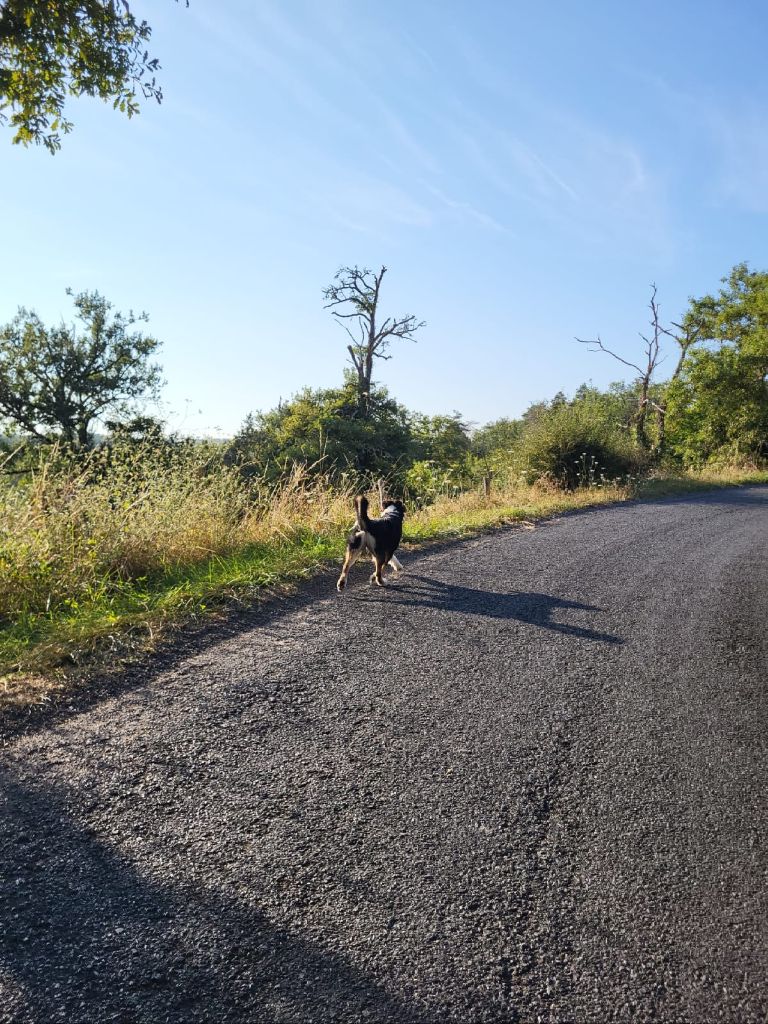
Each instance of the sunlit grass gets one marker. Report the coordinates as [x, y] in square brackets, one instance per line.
[666, 484]
[472, 512]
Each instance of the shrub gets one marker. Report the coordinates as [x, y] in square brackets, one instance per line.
[574, 446]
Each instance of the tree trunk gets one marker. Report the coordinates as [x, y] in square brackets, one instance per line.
[661, 426]
[640, 417]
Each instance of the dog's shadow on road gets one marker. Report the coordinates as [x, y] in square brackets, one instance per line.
[536, 609]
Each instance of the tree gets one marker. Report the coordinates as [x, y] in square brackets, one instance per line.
[443, 440]
[500, 436]
[534, 412]
[357, 291]
[139, 429]
[442, 454]
[719, 404]
[321, 430]
[54, 382]
[494, 446]
[75, 47]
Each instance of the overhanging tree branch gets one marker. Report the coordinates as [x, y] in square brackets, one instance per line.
[72, 47]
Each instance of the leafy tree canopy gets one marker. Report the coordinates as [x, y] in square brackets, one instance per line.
[55, 381]
[443, 440]
[500, 436]
[323, 429]
[71, 47]
[719, 404]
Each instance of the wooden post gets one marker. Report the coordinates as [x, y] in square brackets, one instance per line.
[380, 485]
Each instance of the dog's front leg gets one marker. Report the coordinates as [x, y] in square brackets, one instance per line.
[376, 577]
[341, 582]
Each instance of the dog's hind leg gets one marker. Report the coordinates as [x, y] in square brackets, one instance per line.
[354, 549]
[395, 563]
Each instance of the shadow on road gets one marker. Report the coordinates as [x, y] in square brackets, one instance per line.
[536, 609]
[87, 938]
[732, 499]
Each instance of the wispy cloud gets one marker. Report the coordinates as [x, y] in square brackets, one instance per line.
[558, 162]
[531, 165]
[728, 135]
[738, 141]
[257, 57]
[375, 139]
[744, 151]
[484, 159]
[371, 204]
[464, 209]
[402, 138]
[550, 164]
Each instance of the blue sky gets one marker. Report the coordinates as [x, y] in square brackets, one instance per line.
[524, 171]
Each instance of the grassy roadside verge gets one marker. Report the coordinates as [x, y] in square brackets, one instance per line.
[44, 652]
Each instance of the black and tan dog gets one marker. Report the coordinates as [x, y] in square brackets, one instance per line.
[379, 537]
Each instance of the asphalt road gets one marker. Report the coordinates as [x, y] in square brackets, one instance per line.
[527, 782]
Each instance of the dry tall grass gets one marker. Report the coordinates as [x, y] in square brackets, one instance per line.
[514, 501]
[73, 532]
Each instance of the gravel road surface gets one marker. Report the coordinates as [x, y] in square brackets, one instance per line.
[524, 783]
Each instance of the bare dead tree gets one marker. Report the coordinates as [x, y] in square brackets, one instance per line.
[653, 358]
[354, 297]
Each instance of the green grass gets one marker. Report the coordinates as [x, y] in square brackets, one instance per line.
[134, 615]
[40, 648]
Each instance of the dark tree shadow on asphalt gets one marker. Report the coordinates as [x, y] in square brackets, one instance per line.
[86, 938]
[747, 496]
[535, 609]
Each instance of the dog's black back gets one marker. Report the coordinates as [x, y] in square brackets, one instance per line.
[385, 532]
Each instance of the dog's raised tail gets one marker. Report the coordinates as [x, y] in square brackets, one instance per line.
[361, 512]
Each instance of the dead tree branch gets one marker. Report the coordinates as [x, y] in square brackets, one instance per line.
[354, 295]
[645, 378]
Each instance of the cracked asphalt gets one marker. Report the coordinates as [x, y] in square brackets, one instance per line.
[525, 783]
